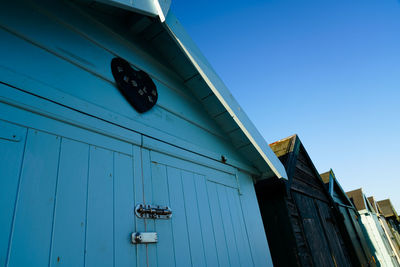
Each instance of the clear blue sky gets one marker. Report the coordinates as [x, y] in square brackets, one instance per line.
[326, 70]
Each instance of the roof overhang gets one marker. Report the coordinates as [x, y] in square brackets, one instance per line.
[334, 185]
[209, 88]
[387, 208]
[153, 8]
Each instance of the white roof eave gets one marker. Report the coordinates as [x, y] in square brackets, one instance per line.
[152, 8]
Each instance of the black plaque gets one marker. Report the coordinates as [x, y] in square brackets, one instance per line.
[135, 85]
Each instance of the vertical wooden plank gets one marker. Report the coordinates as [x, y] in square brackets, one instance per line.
[11, 155]
[68, 243]
[165, 245]
[99, 233]
[124, 216]
[365, 240]
[179, 226]
[253, 222]
[193, 220]
[222, 250]
[369, 220]
[313, 230]
[354, 236]
[35, 205]
[141, 258]
[207, 229]
[239, 228]
[334, 238]
[228, 227]
[148, 196]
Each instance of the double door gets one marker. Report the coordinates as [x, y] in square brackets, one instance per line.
[321, 232]
[68, 197]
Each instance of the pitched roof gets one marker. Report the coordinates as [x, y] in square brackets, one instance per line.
[283, 146]
[335, 189]
[325, 177]
[179, 50]
[358, 199]
[387, 208]
[288, 150]
[285, 149]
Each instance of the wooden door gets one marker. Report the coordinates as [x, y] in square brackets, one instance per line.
[321, 232]
[313, 230]
[67, 201]
[207, 227]
[336, 242]
[356, 235]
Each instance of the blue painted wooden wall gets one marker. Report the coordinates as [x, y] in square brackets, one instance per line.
[70, 202]
[75, 157]
[52, 35]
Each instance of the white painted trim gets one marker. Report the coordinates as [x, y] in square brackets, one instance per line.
[159, 11]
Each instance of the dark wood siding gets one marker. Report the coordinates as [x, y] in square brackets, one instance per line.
[320, 226]
[302, 246]
[313, 230]
[307, 216]
[335, 240]
[274, 210]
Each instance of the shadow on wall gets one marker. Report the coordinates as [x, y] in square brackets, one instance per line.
[369, 241]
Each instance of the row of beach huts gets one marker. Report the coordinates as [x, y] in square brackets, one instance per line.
[311, 221]
[121, 146]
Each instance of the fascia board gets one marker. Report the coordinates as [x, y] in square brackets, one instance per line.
[152, 8]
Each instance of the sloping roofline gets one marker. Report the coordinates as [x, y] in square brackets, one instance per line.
[262, 156]
[329, 178]
[291, 145]
[360, 200]
[387, 208]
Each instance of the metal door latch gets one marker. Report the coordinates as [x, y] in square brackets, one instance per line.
[153, 212]
[144, 238]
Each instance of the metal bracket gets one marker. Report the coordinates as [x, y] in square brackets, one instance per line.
[153, 212]
[144, 238]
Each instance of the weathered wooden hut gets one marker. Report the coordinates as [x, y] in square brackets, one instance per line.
[390, 213]
[384, 253]
[299, 215]
[119, 144]
[362, 245]
[386, 228]
[391, 217]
